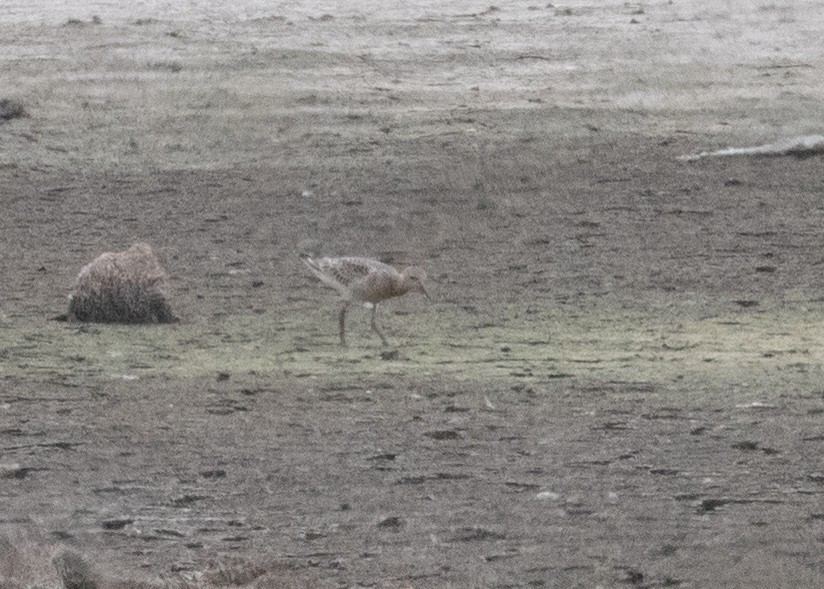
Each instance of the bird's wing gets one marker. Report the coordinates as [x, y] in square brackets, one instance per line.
[348, 271]
[341, 273]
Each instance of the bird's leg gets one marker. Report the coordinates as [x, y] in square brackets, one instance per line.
[375, 326]
[341, 323]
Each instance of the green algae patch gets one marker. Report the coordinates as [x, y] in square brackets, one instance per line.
[639, 344]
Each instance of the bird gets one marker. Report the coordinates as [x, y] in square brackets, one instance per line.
[365, 280]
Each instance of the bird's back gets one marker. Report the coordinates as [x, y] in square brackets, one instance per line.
[363, 279]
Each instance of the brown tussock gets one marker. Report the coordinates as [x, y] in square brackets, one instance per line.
[121, 287]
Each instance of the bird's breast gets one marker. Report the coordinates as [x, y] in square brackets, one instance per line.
[378, 287]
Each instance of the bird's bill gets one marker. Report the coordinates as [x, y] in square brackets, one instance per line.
[423, 291]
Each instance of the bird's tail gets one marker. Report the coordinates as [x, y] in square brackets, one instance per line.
[308, 248]
[309, 261]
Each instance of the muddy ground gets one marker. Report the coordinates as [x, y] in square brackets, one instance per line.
[618, 380]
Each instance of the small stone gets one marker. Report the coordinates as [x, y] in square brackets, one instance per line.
[391, 522]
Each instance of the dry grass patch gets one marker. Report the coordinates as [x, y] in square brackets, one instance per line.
[28, 562]
[121, 287]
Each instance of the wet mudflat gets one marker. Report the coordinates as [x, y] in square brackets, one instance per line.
[617, 381]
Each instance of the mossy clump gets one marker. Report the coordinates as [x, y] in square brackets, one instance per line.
[121, 287]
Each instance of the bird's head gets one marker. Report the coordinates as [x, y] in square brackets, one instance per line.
[413, 278]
